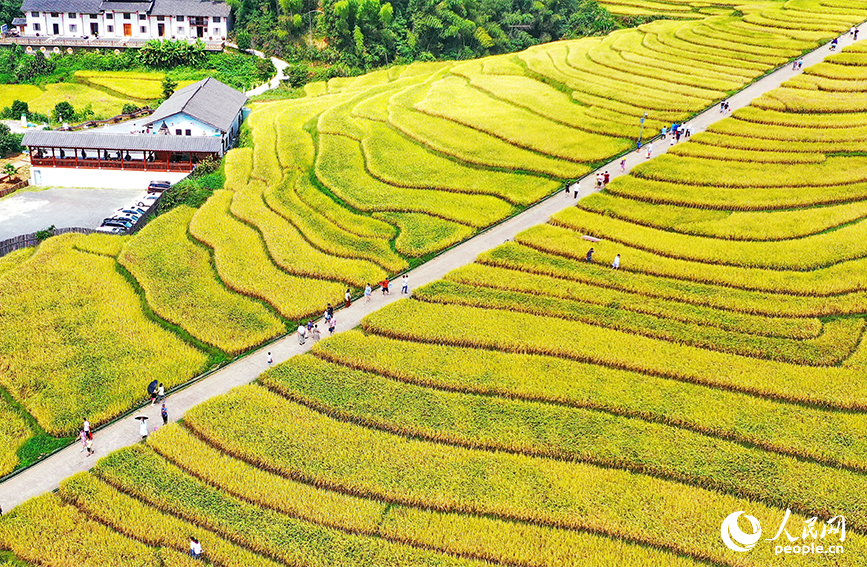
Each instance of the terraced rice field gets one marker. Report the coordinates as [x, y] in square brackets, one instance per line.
[536, 409]
[367, 176]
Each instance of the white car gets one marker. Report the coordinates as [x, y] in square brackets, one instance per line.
[110, 229]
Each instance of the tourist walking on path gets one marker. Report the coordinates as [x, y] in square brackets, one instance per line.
[83, 436]
[649, 149]
[616, 263]
[164, 413]
[161, 393]
[576, 187]
[331, 324]
[606, 178]
[270, 359]
[404, 285]
[86, 427]
[89, 446]
[663, 132]
[367, 292]
[302, 332]
[142, 426]
[385, 285]
[623, 165]
[347, 298]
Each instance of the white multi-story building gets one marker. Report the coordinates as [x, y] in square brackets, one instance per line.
[152, 19]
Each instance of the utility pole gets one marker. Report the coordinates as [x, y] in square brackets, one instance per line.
[641, 130]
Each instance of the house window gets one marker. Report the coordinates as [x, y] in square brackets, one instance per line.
[109, 28]
[55, 15]
[35, 27]
[109, 16]
[72, 28]
[73, 15]
[216, 19]
[34, 14]
[179, 18]
[177, 132]
[189, 132]
[144, 29]
[161, 18]
[142, 16]
[127, 16]
[180, 31]
[216, 31]
[93, 16]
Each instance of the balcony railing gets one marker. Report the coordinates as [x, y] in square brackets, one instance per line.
[126, 165]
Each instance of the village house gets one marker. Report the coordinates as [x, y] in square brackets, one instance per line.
[152, 19]
[200, 121]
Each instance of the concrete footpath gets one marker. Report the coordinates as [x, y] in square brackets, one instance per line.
[46, 476]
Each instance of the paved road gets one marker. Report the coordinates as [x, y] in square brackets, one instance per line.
[47, 475]
[26, 211]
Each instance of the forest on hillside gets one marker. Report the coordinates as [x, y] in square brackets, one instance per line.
[362, 34]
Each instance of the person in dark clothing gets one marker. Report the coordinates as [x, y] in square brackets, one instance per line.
[589, 257]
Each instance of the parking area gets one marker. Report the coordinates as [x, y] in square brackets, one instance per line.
[27, 211]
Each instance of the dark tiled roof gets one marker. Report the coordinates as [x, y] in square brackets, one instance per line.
[209, 100]
[208, 8]
[73, 6]
[190, 8]
[126, 6]
[105, 141]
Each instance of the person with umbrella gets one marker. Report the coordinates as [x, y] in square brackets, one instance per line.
[143, 426]
[152, 391]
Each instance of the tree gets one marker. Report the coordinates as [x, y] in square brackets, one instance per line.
[9, 143]
[167, 53]
[9, 10]
[20, 108]
[10, 170]
[129, 108]
[63, 112]
[360, 30]
[32, 66]
[242, 40]
[169, 87]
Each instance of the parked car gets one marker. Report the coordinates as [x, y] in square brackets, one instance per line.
[131, 211]
[158, 186]
[111, 229]
[117, 222]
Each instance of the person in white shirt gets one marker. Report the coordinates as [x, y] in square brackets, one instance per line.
[616, 263]
[302, 333]
[404, 284]
[143, 427]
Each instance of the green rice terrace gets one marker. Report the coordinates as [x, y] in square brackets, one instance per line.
[530, 408]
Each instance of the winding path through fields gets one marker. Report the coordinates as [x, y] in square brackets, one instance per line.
[47, 475]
